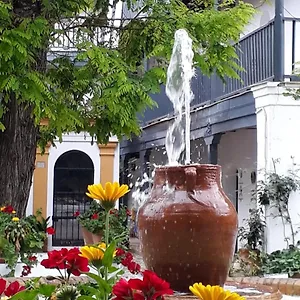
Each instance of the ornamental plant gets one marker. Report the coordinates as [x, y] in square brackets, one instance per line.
[104, 264]
[93, 219]
[21, 238]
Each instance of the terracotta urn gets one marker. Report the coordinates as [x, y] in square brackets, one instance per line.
[188, 227]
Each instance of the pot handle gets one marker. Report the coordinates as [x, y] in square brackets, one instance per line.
[190, 178]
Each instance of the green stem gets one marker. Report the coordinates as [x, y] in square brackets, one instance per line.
[106, 237]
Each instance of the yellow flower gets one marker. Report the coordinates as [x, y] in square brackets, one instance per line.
[2, 208]
[13, 212]
[15, 219]
[213, 292]
[93, 253]
[108, 195]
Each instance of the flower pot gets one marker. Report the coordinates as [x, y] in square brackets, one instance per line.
[87, 236]
[188, 227]
[97, 238]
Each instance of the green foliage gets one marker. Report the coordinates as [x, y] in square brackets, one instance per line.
[284, 261]
[104, 86]
[21, 238]
[93, 220]
[275, 192]
[253, 232]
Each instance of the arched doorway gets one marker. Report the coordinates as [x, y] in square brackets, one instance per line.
[73, 172]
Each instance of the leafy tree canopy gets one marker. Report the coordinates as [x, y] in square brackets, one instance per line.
[99, 83]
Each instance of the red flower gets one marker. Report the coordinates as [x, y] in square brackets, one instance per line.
[77, 213]
[95, 217]
[2, 285]
[128, 213]
[26, 271]
[8, 209]
[152, 286]
[120, 252]
[13, 288]
[32, 258]
[134, 268]
[66, 259]
[50, 230]
[76, 264]
[123, 291]
[128, 258]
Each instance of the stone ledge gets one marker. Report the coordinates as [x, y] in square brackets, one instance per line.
[287, 286]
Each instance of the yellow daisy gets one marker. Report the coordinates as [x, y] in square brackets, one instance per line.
[92, 253]
[108, 195]
[15, 219]
[213, 292]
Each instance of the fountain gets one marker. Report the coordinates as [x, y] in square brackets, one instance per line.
[188, 226]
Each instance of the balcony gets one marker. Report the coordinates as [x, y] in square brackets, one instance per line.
[256, 56]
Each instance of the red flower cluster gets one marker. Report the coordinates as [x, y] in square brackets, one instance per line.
[95, 217]
[50, 230]
[8, 209]
[26, 271]
[66, 259]
[151, 287]
[12, 289]
[127, 261]
[114, 212]
[32, 258]
[76, 214]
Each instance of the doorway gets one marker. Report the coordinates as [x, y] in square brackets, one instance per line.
[73, 172]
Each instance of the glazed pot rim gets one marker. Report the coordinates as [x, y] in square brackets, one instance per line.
[207, 167]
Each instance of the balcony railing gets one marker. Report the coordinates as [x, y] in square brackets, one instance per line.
[256, 56]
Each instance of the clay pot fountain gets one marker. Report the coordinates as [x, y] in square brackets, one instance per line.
[188, 227]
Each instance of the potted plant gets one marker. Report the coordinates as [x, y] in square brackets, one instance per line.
[92, 223]
[252, 235]
[21, 238]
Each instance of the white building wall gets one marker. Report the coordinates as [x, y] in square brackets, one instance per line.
[278, 137]
[237, 152]
[265, 12]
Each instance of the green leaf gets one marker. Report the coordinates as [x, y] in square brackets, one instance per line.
[47, 289]
[101, 282]
[26, 295]
[109, 255]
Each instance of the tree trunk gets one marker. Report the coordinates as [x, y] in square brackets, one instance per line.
[18, 145]
[18, 142]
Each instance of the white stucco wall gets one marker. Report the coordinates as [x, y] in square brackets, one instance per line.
[265, 12]
[237, 151]
[278, 126]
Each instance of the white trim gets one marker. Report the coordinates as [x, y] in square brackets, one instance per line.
[78, 142]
